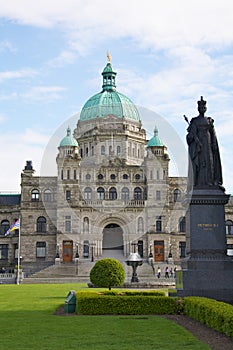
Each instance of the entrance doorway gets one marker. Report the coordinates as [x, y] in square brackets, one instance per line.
[159, 251]
[67, 251]
[112, 240]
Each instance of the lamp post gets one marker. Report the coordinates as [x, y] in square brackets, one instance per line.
[134, 260]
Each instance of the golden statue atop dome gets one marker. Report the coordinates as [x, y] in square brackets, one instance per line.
[108, 57]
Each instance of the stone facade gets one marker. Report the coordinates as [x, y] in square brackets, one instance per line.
[112, 195]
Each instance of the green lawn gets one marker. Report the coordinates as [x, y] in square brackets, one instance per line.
[27, 321]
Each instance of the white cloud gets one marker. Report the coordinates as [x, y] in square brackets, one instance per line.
[44, 93]
[7, 46]
[28, 145]
[3, 118]
[62, 59]
[160, 24]
[17, 74]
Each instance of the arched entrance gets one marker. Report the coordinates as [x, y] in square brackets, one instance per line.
[112, 240]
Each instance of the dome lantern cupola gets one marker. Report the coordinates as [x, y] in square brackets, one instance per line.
[109, 76]
[156, 146]
[68, 140]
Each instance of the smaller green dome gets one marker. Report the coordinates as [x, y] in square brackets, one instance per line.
[68, 140]
[155, 141]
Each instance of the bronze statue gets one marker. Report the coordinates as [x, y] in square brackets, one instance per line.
[204, 159]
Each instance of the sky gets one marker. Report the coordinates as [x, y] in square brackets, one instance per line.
[167, 53]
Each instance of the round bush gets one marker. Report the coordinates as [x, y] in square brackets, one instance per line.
[107, 273]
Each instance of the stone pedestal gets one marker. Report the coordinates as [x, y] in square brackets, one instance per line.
[207, 270]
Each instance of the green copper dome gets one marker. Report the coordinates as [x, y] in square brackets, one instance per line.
[109, 101]
[68, 140]
[155, 140]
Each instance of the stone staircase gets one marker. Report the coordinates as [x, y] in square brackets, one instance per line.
[71, 273]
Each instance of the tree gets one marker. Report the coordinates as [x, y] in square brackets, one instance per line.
[107, 273]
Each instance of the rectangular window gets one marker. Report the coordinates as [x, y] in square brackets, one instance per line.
[230, 249]
[158, 195]
[40, 249]
[158, 224]
[68, 223]
[86, 249]
[182, 246]
[4, 251]
[68, 174]
[75, 174]
[68, 195]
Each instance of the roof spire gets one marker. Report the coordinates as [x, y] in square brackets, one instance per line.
[108, 57]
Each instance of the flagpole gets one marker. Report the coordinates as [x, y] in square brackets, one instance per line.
[19, 243]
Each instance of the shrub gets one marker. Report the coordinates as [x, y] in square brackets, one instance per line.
[125, 305]
[107, 273]
[215, 314]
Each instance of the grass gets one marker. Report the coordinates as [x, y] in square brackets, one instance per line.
[28, 322]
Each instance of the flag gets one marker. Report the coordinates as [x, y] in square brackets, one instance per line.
[14, 226]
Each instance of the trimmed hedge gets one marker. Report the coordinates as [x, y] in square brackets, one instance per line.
[154, 293]
[94, 304]
[215, 314]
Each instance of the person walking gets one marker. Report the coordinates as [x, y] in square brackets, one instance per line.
[158, 272]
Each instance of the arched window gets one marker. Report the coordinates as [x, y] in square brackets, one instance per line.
[100, 193]
[86, 225]
[125, 176]
[88, 177]
[112, 176]
[112, 193]
[41, 224]
[110, 150]
[87, 193]
[35, 195]
[137, 177]
[102, 150]
[68, 174]
[118, 150]
[5, 225]
[100, 177]
[62, 174]
[140, 225]
[125, 194]
[81, 152]
[137, 193]
[47, 196]
[158, 224]
[229, 227]
[182, 224]
[177, 195]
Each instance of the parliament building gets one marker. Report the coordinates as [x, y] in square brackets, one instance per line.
[112, 194]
